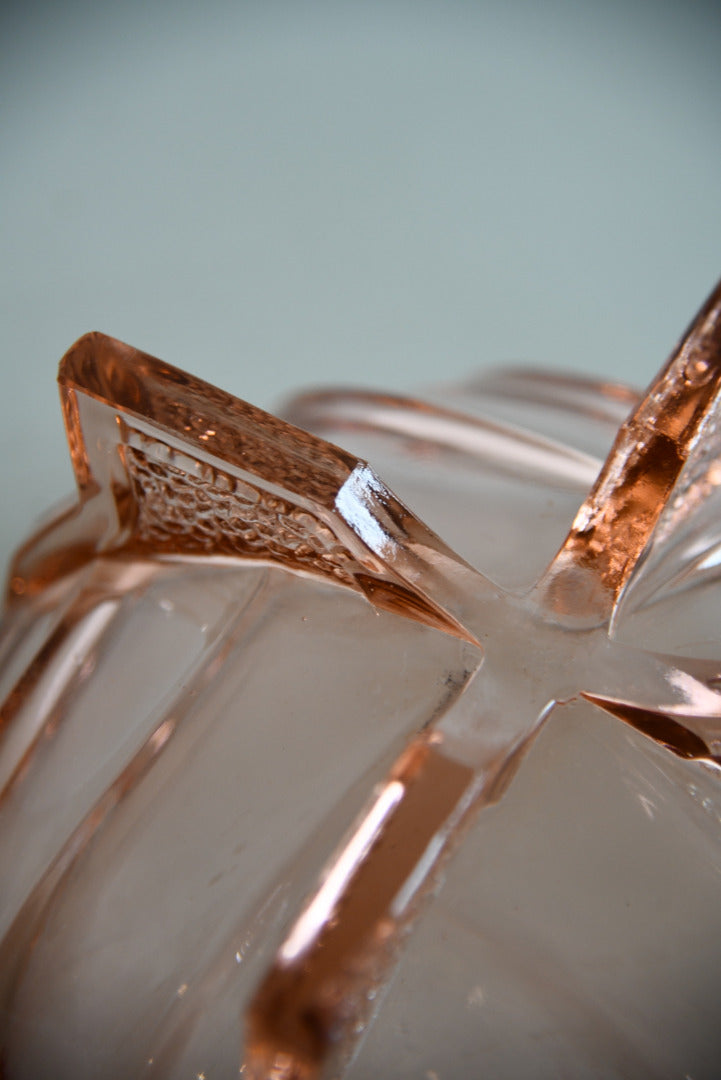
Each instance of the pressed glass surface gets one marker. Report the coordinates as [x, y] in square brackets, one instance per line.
[255, 696]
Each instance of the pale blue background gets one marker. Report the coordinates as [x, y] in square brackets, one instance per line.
[282, 194]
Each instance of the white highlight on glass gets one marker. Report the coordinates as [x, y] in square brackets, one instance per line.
[321, 907]
[351, 502]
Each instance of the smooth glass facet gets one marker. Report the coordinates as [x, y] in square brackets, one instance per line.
[307, 773]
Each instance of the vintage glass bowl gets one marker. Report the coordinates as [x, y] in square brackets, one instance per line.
[298, 779]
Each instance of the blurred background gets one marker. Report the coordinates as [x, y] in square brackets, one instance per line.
[276, 195]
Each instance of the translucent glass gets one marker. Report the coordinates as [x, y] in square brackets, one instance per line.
[307, 773]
